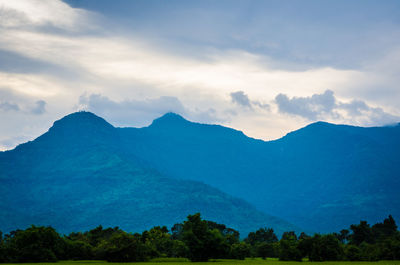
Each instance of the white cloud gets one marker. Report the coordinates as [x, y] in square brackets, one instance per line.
[32, 85]
[326, 107]
[119, 60]
[34, 13]
[131, 80]
[240, 98]
[141, 112]
[8, 106]
[39, 108]
[312, 108]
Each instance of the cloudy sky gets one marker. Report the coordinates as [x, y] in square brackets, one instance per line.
[263, 67]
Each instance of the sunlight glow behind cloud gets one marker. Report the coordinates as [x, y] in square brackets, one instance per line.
[84, 57]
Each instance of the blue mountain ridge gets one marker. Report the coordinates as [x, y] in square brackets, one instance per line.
[79, 175]
[322, 177]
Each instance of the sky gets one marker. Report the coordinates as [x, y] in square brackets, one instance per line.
[263, 67]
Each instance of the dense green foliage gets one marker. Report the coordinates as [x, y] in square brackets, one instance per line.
[201, 240]
[247, 261]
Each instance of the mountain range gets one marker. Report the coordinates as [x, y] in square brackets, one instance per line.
[84, 172]
[80, 174]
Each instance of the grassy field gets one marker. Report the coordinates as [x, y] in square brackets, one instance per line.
[223, 262]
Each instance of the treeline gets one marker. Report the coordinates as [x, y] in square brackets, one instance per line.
[201, 240]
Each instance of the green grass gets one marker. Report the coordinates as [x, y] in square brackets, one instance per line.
[167, 261]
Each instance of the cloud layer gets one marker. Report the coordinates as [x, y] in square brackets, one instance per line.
[141, 112]
[56, 59]
[242, 99]
[326, 107]
[7, 106]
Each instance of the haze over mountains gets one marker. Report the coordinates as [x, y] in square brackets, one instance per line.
[322, 177]
[84, 172]
[80, 174]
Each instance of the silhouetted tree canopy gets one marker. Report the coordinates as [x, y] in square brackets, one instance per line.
[201, 240]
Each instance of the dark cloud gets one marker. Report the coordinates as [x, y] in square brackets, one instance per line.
[39, 108]
[141, 112]
[241, 99]
[376, 116]
[9, 106]
[224, 25]
[21, 103]
[308, 107]
[15, 63]
[325, 105]
[355, 107]
[261, 105]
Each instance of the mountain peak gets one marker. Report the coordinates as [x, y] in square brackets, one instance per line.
[169, 119]
[171, 116]
[82, 120]
[320, 124]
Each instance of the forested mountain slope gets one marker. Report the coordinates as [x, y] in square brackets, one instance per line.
[321, 177]
[80, 174]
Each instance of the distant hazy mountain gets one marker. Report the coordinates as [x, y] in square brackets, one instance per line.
[81, 174]
[84, 171]
[323, 177]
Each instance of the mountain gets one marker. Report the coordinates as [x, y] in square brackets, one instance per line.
[323, 177]
[80, 174]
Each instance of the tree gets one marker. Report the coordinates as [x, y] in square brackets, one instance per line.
[196, 235]
[389, 249]
[265, 235]
[177, 232]
[240, 250]
[78, 250]
[124, 247]
[361, 233]
[289, 248]
[178, 249]
[343, 236]
[158, 240]
[35, 244]
[371, 252]
[352, 253]
[2, 249]
[202, 242]
[291, 235]
[265, 250]
[305, 244]
[97, 235]
[387, 229]
[325, 248]
[230, 234]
